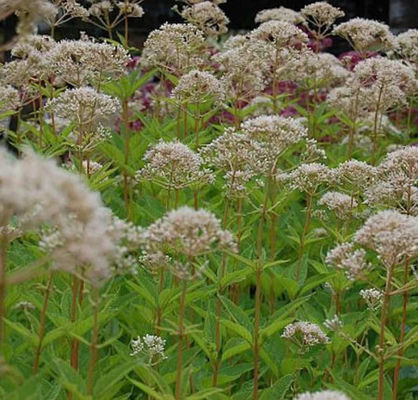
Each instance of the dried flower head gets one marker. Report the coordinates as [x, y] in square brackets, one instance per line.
[372, 297]
[366, 34]
[322, 395]
[393, 236]
[208, 17]
[349, 259]
[175, 47]
[279, 14]
[305, 334]
[173, 165]
[199, 87]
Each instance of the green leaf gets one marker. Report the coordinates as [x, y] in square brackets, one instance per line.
[279, 389]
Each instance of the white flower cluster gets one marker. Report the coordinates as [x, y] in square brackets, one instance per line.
[349, 259]
[307, 177]
[84, 106]
[151, 346]
[174, 165]
[340, 203]
[199, 87]
[207, 17]
[306, 334]
[63, 203]
[393, 236]
[279, 14]
[321, 14]
[270, 136]
[322, 395]
[372, 297]
[175, 47]
[365, 34]
[189, 232]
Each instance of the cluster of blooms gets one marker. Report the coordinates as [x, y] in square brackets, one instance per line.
[63, 203]
[307, 177]
[372, 297]
[348, 259]
[323, 395]
[271, 136]
[365, 34]
[305, 334]
[395, 186]
[129, 8]
[340, 203]
[243, 67]
[279, 14]
[150, 346]
[175, 47]
[80, 62]
[385, 82]
[393, 236]
[207, 16]
[321, 15]
[406, 46]
[173, 165]
[9, 98]
[199, 87]
[230, 153]
[29, 13]
[190, 232]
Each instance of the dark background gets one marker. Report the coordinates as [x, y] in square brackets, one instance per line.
[399, 14]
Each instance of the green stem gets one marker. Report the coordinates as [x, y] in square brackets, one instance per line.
[383, 317]
[304, 233]
[181, 341]
[94, 343]
[42, 324]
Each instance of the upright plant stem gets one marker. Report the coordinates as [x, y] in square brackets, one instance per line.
[217, 363]
[42, 324]
[4, 242]
[402, 335]
[181, 340]
[352, 131]
[375, 126]
[382, 332]
[258, 274]
[126, 30]
[125, 118]
[94, 343]
[74, 343]
[304, 233]
[404, 308]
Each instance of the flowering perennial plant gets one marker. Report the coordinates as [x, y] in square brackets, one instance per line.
[210, 215]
